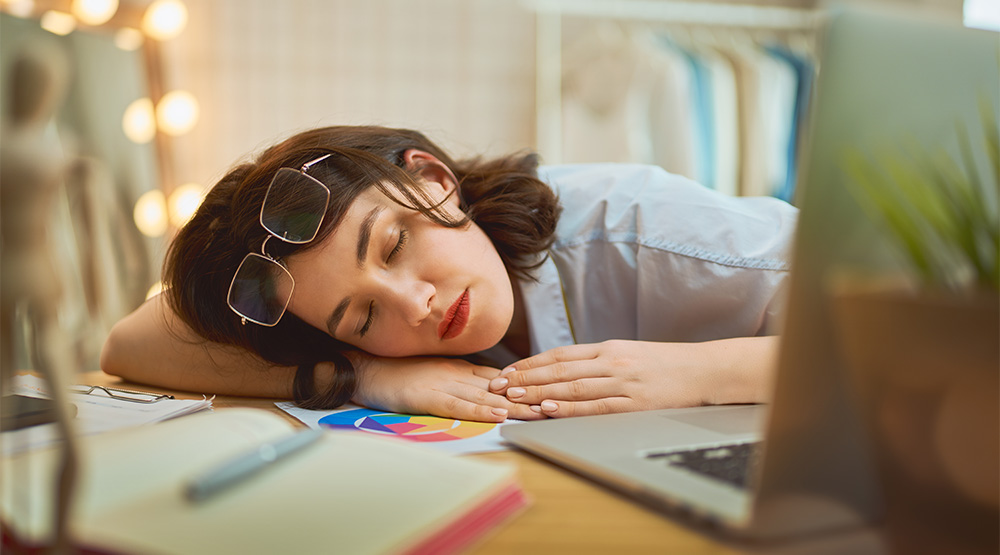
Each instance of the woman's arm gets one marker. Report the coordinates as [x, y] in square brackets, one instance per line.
[622, 376]
[153, 346]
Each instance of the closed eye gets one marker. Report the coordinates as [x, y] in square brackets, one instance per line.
[368, 322]
[400, 243]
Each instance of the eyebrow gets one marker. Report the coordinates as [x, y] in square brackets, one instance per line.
[365, 234]
[337, 315]
[364, 239]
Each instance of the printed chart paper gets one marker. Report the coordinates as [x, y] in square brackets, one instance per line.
[458, 437]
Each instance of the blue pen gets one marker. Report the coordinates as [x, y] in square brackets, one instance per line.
[249, 464]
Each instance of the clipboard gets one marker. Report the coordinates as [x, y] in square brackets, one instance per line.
[99, 408]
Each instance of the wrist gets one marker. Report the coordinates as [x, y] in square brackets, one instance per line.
[744, 368]
[363, 369]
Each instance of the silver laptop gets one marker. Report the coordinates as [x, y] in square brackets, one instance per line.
[881, 77]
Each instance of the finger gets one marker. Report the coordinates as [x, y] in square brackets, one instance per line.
[485, 371]
[499, 385]
[608, 405]
[449, 406]
[557, 372]
[558, 354]
[475, 378]
[495, 405]
[520, 411]
[584, 389]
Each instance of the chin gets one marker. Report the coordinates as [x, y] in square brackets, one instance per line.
[490, 337]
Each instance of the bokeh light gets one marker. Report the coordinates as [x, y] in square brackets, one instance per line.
[139, 123]
[59, 23]
[155, 290]
[20, 8]
[129, 39]
[94, 12]
[177, 112]
[150, 213]
[164, 19]
[184, 202]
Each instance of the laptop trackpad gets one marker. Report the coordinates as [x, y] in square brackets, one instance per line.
[741, 420]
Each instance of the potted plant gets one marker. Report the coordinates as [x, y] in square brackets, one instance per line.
[924, 351]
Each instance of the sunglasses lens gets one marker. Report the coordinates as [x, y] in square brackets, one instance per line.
[260, 290]
[294, 206]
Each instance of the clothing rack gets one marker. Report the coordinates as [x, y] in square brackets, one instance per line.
[548, 41]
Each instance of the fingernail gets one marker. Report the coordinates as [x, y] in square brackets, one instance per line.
[507, 370]
[535, 408]
[549, 406]
[499, 383]
[499, 412]
[515, 392]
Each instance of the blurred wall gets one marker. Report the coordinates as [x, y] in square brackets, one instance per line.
[460, 70]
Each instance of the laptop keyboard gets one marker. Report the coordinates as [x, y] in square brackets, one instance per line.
[732, 464]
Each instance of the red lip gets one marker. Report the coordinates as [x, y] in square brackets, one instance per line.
[455, 319]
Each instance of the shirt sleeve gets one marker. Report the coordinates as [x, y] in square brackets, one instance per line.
[645, 254]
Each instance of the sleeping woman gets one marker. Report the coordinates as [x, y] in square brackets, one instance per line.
[364, 264]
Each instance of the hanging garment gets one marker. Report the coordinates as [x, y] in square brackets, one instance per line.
[804, 73]
[779, 85]
[625, 99]
[725, 121]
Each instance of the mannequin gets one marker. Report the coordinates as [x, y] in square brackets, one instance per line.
[31, 174]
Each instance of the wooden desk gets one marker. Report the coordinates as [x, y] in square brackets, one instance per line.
[568, 514]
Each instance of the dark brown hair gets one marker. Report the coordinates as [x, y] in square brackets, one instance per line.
[503, 196]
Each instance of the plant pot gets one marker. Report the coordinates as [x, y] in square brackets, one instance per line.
[926, 368]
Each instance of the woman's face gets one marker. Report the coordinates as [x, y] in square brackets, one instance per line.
[393, 283]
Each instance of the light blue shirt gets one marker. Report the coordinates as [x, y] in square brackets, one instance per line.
[647, 255]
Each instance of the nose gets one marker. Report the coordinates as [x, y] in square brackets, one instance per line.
[413, 300]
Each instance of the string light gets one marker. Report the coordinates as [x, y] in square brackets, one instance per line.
[59, 23]
[20, 8]
[150, 213]
[164, 19]
[177, 112]
[184, 202]
[129, 39]
[94, 12]
[139, 123]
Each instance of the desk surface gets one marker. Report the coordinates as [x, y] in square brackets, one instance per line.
[568, 514]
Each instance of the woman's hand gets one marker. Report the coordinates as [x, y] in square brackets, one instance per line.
[623, 376]
[451, 388]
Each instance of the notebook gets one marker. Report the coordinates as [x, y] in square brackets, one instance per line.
[348, 492]
[797, 465]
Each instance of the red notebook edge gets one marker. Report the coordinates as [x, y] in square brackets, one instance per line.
[457, 535]
[474, 524]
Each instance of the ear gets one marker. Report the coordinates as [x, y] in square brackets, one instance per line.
[434, 172]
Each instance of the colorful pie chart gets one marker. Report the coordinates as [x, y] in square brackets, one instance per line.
[416, 428]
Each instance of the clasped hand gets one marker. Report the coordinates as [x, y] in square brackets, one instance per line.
[613, 376]
[576, 380]
[451, 388]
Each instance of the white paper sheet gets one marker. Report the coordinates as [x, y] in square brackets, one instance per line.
[458, 437]
[95, 413]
